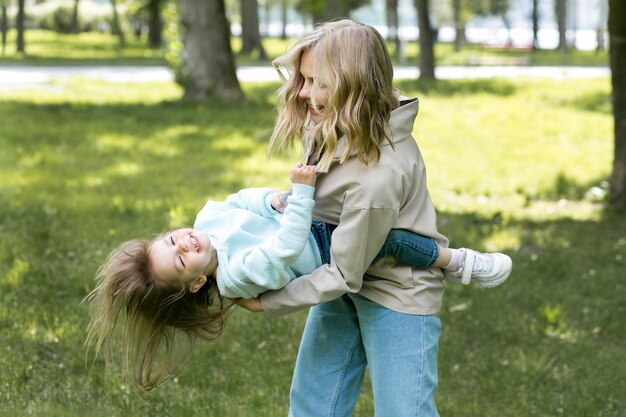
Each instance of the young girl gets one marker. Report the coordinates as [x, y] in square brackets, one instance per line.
[241, 247]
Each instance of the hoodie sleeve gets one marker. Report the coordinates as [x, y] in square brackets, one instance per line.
[265, 267]
[256, 200]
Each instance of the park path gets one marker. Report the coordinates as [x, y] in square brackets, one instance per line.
[20, 77]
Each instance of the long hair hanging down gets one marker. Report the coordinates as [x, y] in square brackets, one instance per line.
[155, 321]
[353, 64]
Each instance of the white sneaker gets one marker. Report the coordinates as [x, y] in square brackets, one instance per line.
[485, 269]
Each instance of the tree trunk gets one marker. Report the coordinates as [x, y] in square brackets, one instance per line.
[117, 27]
[393, 26]
[21, 46]
[283, 17]
[459, 26]
[4, 27]
[535, 25]
[561, 13]
[155, 24]
[601, 28]
[573, 22]
[268, 20]
[209, 64]
[250, 36]
[427, 56]
[617, 52]
[75, 23]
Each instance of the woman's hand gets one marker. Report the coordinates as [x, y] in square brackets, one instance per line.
[251, 304]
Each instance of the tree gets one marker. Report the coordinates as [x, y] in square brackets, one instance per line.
[4, 25]
[392, 24]
[117, 27]
[427, 55]
[75, 23]
[459, 25]
[535, 25]
[155, 23]
[21, 46]
[561, 17]
[617, 53]
[284, 8]
[209, 67]
[601, 27]
[250, 36]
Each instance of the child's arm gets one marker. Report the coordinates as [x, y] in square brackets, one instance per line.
[266, 266]
[303, 174]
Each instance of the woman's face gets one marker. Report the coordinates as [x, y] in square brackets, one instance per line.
[181, 256]
[307, 69]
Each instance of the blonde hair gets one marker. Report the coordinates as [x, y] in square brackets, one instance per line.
[353, 64]
[159, 320]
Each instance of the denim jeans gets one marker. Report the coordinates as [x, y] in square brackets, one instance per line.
[406, 247]
[322, 232]
[342, 337]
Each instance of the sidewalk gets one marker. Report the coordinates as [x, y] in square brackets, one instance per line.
[16, 77]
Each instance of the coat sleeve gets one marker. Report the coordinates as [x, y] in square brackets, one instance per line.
[355, 243]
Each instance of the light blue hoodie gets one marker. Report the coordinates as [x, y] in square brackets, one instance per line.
[258, 248]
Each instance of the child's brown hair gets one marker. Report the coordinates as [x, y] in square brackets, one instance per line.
[156, 317]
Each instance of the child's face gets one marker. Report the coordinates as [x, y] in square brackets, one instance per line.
[182, 255]
[307, 92]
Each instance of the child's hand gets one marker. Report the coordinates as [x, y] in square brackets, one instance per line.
[303, 174]
[279, 200]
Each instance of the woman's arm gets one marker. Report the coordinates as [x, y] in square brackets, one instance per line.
[355, 243]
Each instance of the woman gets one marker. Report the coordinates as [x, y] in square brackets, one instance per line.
[340, 103]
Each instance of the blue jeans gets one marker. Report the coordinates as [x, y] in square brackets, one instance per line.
[406, 247]
[341, 337]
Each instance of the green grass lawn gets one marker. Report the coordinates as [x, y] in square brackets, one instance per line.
[44, 47]
[514, 165]
[49, 48]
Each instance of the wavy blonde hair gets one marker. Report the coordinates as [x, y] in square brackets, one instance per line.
[155, 321]
[353, 64]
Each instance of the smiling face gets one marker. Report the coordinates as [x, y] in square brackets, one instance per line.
[310, 91]
[185, 256]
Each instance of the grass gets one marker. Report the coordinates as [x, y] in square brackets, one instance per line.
[44, 47]
[514, 165]
[50, 48]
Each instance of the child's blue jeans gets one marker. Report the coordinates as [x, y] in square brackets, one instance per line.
[406, 247]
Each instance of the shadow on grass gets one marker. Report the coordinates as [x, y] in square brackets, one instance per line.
[592, 102]
[570, 189]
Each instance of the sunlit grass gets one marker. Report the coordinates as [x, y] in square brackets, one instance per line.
[47, 47]
[513, 165]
